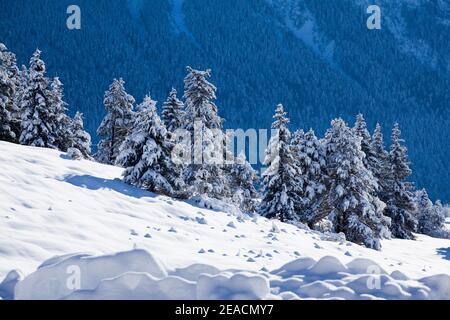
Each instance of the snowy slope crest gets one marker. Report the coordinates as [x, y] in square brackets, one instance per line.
[137, 274]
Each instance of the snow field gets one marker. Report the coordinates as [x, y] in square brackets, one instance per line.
[52, 206]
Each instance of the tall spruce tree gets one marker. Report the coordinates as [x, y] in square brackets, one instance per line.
[349, 195]
[18, 98]
[56, 97]
[80, 139]
[243, 180]
[400, 202]
[173, 112]
[146, 154]
[6, 131]
[310, 158]
[366, 141]
[205, 170]
[280, 183]
[379, 164]
[9, 82]
[117, 122]
[39, 124]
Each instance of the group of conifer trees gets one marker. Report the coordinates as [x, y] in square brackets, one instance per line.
[347, 177]
[146, 144]
[33, 111]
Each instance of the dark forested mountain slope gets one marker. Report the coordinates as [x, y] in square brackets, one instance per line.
[316, 57]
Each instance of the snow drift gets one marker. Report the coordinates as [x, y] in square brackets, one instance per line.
[137, 274]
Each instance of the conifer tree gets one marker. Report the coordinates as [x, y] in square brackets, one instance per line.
[63, 122]
[146, 154]
[349, 196]
[362, 132]
[16, 114]
[39, 123]
[400, 203]
[431, 218]
[379, 165]
[9, 82]
[173, 112]
[243, 180]
[80, 139]
[310, 158]
[6, 131]
[205, 170]
[116, 124]
[280, 181]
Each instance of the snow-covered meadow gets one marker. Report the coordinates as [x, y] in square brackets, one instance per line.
[52, 206]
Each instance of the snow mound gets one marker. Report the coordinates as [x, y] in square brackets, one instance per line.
[295, 267]
[227, 286]
[439, 286]
[361, 265]
[327, 265]
[193, 272]
[137, 275]
[328, 278]
[59, 277]
[139, 286]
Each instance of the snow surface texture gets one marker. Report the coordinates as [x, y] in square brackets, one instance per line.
[52, 206]
[138, 275]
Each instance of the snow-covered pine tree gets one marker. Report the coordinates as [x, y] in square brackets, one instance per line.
[116, 124]
[400, 202]
[205, 172]
[6, 131]
[379, 163]
[366, 141]
[80, 139]
[173, 112]
[9, 82]
[310, 158]
[18, 98]
[146, 154]
[8, 62]
[242, 183]
[39, 124]
[280, 183]
[349, 196]
[64, 135]
[422, 201]
[431, 218]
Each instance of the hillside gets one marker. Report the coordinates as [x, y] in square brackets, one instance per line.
[316, 57]
[53, 206]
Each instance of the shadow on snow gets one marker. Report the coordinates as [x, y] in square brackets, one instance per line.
[117, 185]
[444, 252]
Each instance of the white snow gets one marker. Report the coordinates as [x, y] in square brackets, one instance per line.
[144, 278]
[53, 206]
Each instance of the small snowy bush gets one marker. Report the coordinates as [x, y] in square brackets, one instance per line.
[324, 226]
[74, 154]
